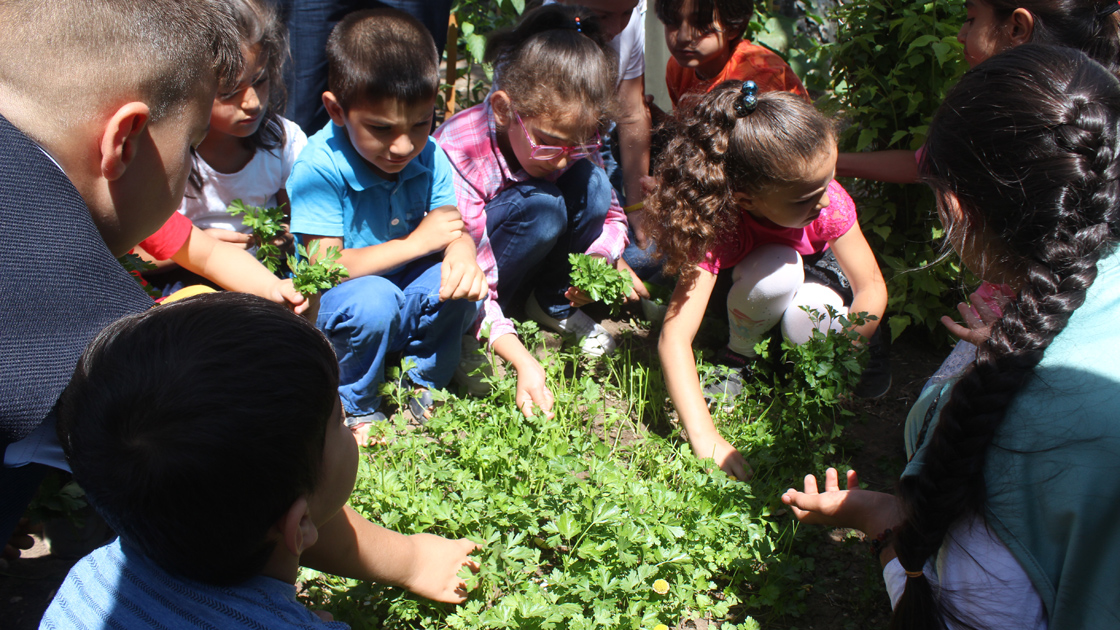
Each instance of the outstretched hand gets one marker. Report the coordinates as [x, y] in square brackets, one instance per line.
[865, 510]
[726, 456]
[984, 308]
[435, 571]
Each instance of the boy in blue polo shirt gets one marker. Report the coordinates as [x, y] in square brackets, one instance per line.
[371, 184]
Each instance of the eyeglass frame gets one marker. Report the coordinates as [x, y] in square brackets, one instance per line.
[576, 152]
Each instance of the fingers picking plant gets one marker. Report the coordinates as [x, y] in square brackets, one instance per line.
[599, 280]
[325, 273]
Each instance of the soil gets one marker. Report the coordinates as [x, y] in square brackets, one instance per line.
[843, 590]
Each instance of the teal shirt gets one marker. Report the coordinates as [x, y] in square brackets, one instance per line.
[1053, 471]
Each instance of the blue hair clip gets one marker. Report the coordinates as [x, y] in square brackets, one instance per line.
[579, 27]
[748, 99]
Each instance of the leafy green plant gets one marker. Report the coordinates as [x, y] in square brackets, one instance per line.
[325, 273]
[267, 224]
[891, 66]
[136, 266]
[599, 280]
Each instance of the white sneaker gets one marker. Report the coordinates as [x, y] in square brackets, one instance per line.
[474, 368]
[594, 339]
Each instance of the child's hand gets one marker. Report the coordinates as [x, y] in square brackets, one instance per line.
[637, 287]
[986, 308]
[244, 241]
[867, 511]
[462, 279]
[284, 292]
[533, 391]
[438, 229]
[435, 570]
[727, 457]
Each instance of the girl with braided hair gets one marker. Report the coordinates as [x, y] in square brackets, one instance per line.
[999, 520]
[747, 187]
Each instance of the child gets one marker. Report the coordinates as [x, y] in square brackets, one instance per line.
[1001, 520]
[529, 192]
[250, 149]
[748, 186]
[706, 39]
[258, 449]
[993, 26]
[372, 185]
[100, 103]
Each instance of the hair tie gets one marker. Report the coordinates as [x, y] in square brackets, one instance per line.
[579, 28]
[1110, 8]
[913, 574]
[748, 98]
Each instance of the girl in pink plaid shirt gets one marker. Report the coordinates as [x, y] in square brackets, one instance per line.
[530, 186]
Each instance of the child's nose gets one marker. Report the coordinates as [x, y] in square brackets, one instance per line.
[251, 101]
[401, 146]
[824, 202]
[961, 34]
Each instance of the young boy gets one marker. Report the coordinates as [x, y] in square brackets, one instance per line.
[215, 495]
[371, 184]
[100, 102]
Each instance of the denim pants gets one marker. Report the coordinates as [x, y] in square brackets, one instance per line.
[369, 317]
[534, 225]
[309, 25]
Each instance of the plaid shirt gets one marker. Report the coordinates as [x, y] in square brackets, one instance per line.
[481, 172]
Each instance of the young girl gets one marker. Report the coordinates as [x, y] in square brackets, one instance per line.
[1002, 519]
[250, 149]
[747, 187]
[993, 26]
[527, 187]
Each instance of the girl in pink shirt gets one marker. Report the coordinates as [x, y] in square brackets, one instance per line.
[747, 186]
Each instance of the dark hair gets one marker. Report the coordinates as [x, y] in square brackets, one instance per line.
[1028, 143]
[260, 26]
[714, 154]
[212, 409]
[382, 54]
[547, 65]
[734, 15]
[1075, 23]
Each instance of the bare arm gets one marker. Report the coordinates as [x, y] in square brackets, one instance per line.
[633, 136]
[351, 546]
[686, 311]
[898, 167]
[436, 231]
[869, 291]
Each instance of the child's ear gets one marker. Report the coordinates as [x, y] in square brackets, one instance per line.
[743, 200]
[297, 530]
[121, 138]
[503, 108]
[334, 109]
[1021, 26]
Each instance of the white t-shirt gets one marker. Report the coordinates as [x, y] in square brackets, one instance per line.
[256, 184]
[980, 578]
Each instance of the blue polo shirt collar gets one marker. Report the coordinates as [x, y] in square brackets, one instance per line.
[359, 176]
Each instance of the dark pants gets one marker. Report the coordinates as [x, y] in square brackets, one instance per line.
[309, 25]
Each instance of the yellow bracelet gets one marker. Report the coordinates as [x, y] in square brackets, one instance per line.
[634, 207]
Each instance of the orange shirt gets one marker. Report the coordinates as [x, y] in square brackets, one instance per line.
[749, 62]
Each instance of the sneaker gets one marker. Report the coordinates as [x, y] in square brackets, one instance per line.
[594, 339]
[474, 367]
[729, 374]
[420, 405]
[875, 381]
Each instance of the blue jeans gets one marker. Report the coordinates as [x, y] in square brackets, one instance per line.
[309, 25]
[645, 262]
[535, 224]
[368, 317]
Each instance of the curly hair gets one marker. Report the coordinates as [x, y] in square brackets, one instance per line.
[557, 62]
[1078, 24]
[713, 154]
[1028, 143]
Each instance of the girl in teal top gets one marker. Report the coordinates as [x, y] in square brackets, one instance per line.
[1018, 457]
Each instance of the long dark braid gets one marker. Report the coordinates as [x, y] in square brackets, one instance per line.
[1027, 143]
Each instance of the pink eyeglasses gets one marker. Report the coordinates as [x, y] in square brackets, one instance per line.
[546, 152]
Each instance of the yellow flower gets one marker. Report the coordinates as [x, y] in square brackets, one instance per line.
[660, 587]
[661, 626]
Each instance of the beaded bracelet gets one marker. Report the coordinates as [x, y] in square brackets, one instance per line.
[880, 542]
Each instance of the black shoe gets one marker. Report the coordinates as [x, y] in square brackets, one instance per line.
[728, 376]
[875, 381]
